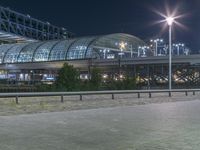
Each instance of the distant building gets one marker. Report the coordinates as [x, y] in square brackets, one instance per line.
[117, 55]
[37, 50]
[45, 58]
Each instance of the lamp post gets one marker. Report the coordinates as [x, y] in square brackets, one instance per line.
[131, 47]
[139, 47]
[170, 21]
[122, 46]
[142, 51]
[178, 46]
[157, 41]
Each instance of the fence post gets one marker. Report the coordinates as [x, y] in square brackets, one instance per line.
[113, 97]
[138, 95]
[16, 100]
[81, 98]
[149, 94]
[62, 98]
[186, 93]
[170, 94]
[193, 92]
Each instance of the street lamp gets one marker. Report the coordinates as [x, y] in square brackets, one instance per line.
[131, 47]
[139, 48]
[157, 41]
[178, 46]
[170, 21]
[142, 50]
[122, 46]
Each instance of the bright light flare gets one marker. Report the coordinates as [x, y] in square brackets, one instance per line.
[170, 20]
[170, 17]
[122, 45]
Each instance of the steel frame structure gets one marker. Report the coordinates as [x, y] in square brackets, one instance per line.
[148, 76]
[15, 26]
[153, 76]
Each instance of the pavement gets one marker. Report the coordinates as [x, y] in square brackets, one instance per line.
[166, 126]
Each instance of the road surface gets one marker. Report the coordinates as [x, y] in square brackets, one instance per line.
[166, 126]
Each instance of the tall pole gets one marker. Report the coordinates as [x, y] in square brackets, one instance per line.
[121, 53]
[104, 54]
[170, 57]
[156, 48]
[178, 50]
[131, 51]
[138, 52]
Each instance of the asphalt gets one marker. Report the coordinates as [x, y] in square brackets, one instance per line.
[166, 126]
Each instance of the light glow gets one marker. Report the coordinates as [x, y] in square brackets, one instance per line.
[170, 16]
[170, 20]
[122, 45]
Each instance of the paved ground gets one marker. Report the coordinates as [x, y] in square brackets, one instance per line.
[167, 126]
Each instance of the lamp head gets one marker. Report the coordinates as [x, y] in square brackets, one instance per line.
[170, 20]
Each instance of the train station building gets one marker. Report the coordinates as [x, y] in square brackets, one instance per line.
[34, 50]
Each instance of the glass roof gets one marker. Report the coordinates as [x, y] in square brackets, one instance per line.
[96, 47]
[26, 54]
[4, 49]
[12, 54]
[42, 52]
[59, 51]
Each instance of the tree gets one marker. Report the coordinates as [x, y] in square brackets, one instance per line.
[95, 81]
[68, 78]
[129, 83]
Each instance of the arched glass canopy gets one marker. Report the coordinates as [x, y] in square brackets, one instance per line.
[110, 46]
[4, 49]
[11, 56]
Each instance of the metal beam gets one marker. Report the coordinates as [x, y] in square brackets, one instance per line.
[24, 25]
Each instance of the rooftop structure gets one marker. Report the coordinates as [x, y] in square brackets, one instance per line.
[116, 55]
[17, 27]
[97, 47]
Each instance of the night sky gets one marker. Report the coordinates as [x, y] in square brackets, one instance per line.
[136, 17]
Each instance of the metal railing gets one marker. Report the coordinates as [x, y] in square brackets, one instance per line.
[81, 94]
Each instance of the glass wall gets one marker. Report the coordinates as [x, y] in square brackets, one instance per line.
[110, 46]
[79, 48]
[26, 54]
[59, 51]
[3, 49]
[13, 53]
[42, 52]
